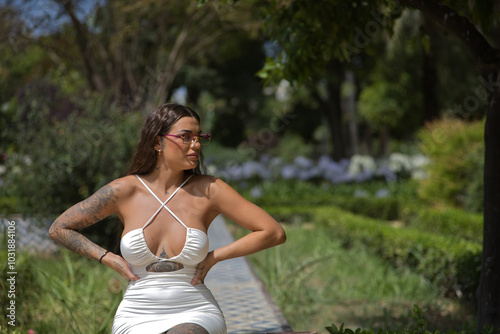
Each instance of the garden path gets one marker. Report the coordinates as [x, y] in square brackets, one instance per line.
[244, 300]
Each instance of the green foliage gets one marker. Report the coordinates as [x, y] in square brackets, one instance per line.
[313, 279]
[386, 208]
[294, 201]
[419, 326]
[447, 221]
[290, 146]
[292, 192]
[393, 98]
[311, 36]
[456, 151]
[25, 283]
[52, 164]
[64, 291]
[483, 13]
[440, 258]
[380, 104]
[449, 262]
[380, 208]
[472, 197]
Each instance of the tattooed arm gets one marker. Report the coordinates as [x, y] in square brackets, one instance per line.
[65, 228]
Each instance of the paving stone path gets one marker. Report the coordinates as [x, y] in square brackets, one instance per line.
[247, 306]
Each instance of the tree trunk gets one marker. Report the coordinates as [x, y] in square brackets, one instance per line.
[488, 62]
[489, 286]
[349, 107]
[334, 117]
[331, 106]
[384, 141]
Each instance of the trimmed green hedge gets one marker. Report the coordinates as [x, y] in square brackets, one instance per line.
[387, 208]
[451, 263]
[403, 205]
[449, 221]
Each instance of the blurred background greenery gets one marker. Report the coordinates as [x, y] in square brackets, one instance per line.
[77, 79]
[388, 88]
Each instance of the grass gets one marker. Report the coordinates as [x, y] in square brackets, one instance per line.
[316, 282]
[65, 294]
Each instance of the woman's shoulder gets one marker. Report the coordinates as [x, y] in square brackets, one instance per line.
[211, 185]
[207, 181]
[125, 186]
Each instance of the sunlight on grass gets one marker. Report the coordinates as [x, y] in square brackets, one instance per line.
[68, 294]
[316, 282]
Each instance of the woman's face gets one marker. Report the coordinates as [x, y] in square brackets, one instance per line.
[175, 152]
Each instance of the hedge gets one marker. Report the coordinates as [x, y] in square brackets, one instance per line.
[447, 221]
[451, 263]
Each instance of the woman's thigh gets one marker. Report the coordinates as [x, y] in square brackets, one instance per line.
[187, 329]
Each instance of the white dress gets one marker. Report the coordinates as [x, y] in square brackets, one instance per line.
[159, 301]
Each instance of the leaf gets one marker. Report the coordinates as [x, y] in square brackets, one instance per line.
[332, 329]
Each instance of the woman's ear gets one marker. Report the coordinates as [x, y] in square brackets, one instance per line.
[159, 143]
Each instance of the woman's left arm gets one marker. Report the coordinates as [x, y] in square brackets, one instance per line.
[266, 232]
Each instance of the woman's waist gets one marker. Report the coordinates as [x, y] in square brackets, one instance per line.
[184, 275]
[158, 288]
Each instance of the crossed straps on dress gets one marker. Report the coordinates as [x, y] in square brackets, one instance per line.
[163, 204]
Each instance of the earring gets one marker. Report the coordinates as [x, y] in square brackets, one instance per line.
[159, 152]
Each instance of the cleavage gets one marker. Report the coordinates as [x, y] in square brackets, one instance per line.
[165, 238]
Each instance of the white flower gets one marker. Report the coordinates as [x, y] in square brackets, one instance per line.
[362, 164]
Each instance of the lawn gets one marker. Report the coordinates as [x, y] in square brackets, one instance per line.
[316, 282]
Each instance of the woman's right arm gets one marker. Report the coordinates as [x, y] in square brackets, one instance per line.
[65, 228]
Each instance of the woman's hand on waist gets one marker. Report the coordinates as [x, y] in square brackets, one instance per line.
[203, 268]
[118, 264]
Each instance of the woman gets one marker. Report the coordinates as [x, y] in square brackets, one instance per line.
[166, 207]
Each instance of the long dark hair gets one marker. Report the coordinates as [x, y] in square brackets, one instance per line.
[159, 121]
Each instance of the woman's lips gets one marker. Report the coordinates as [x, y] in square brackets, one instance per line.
[193, 156]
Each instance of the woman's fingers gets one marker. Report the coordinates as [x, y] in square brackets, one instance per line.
[119, 264]
[203, 268]
[200, 274]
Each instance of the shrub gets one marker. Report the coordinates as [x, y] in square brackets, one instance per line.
[419, 326]
[378, 208]
[456, 151]
[25, 283]
[53, 164]
[387, 208]
[448, 221]
[451, 264]
[62, 294]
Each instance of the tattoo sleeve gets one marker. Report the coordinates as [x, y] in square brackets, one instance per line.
[64, 230]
